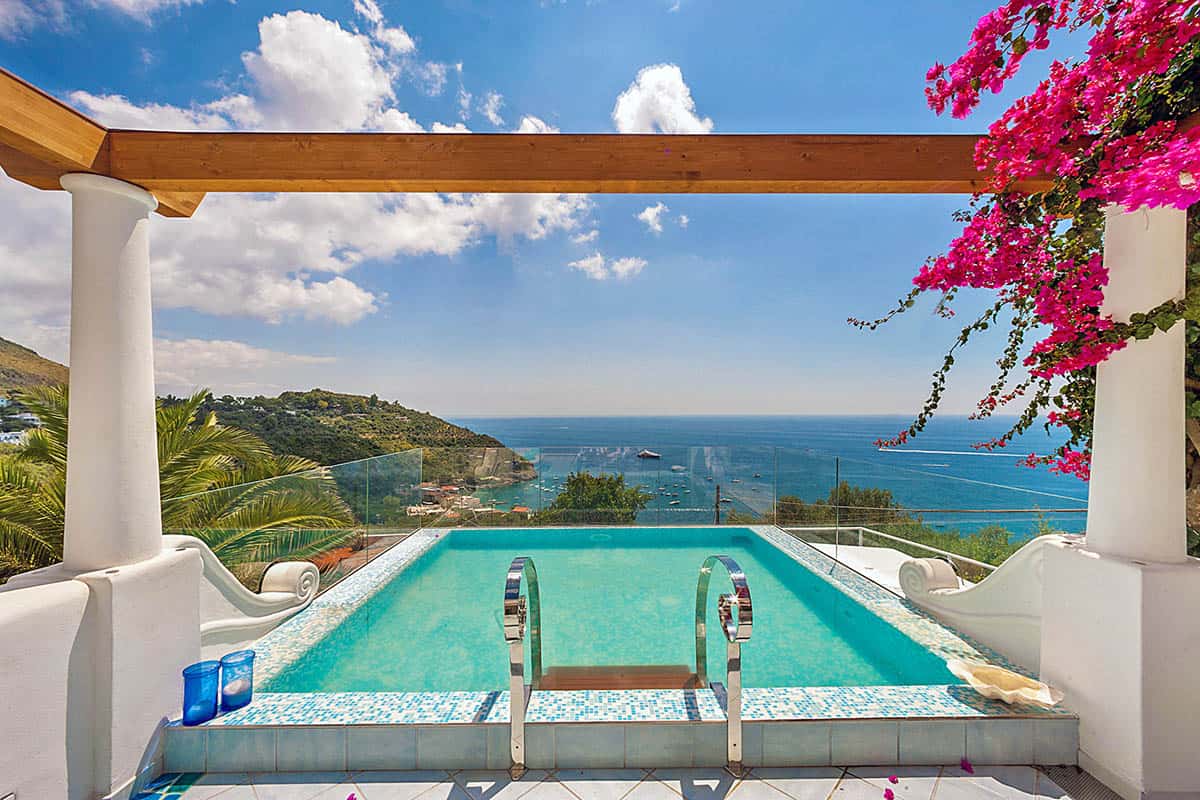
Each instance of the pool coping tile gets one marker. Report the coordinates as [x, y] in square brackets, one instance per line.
[287, 643]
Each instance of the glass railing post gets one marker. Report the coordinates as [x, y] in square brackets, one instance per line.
[775, 486]
[837, 504]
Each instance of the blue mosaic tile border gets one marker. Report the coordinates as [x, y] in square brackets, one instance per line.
[634, 705]
[291, 640]
[899, 612]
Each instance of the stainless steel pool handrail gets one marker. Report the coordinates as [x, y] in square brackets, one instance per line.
[517, 612]
[735, 611]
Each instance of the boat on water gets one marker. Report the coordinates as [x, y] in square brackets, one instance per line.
[674, 503]
[678, 468]
[648, 454]
[758, 474]
[726, 500]
[736, 480]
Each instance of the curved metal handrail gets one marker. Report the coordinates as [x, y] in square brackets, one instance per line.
[518, 611]
[519, 614]
[736, 628]
[735, 612]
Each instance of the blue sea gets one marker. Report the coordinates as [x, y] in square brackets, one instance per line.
[755, 459]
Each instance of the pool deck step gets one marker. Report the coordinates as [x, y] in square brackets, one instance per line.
[629, 676]
[609, 745]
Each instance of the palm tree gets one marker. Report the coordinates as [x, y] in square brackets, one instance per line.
[220, 484]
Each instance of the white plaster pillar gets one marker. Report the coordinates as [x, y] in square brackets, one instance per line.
[1136, 503]
[113, 514]
[1118, 632]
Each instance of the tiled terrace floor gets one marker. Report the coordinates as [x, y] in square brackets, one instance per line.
[854, 783]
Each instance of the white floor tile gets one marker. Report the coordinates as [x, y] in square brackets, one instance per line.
[243, 792]
[697, 784]
[800, 783]
[651, 789]
[751, 788]
[214, 784]
[339, 792]
[913, 783]
[428, 784]
[496, 784]
[548, 790]
[600, 784]
[856, 788]
[296, 785]
[989, 783]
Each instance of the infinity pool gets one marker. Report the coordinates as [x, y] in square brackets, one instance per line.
[619, 596]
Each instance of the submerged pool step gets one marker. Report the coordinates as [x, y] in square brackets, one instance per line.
[627, 676]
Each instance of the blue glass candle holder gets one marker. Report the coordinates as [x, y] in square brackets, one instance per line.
[237, 679]
[200, 684]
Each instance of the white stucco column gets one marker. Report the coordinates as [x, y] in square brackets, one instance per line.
[113, 513]
[1136, 497]
[1117, 635]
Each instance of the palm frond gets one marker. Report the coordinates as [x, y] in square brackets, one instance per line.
[297, 544]
[47, 444]
[23, 547]
[221, 484]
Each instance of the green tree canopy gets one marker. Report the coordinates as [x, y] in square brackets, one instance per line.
[595, 500]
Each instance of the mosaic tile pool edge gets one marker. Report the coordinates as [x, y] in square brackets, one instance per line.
[903, 615]
[288, 642]
[291, 640]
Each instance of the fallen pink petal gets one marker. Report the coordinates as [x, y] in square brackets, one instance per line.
[893, 779]
[966, 767]
[888, 794]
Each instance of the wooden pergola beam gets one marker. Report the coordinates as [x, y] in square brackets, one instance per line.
[42, 139]
[44, 129]
[586, 163]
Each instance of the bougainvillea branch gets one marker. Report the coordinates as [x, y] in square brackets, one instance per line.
[1117, 125]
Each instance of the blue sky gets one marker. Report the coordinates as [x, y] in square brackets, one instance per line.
[510, 305]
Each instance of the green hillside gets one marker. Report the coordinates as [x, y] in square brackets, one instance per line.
[21, 367]
[332, 428]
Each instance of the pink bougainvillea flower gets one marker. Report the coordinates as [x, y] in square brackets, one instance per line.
[888, 794]
[1040, 252]
[893, 779]
[966, 767]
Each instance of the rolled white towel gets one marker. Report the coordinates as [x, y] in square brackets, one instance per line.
[923, 575]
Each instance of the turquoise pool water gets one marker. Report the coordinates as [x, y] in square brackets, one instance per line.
[609, 596]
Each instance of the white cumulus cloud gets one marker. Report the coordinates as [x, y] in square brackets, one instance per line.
[275, 257]
[19, 17]
[395, 38]
[598, 268]
[490, 108]
[118, 112]
[183, 365]
[586, 238]
[627, 267]
[652, 216]
[658, 101]
[592, 266]
[532, 124]
[683, 220]
[313, 74]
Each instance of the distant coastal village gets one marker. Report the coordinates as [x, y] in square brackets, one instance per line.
[15, 421]
[449, 501]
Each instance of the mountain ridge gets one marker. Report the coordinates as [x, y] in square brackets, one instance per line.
[22, 367]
